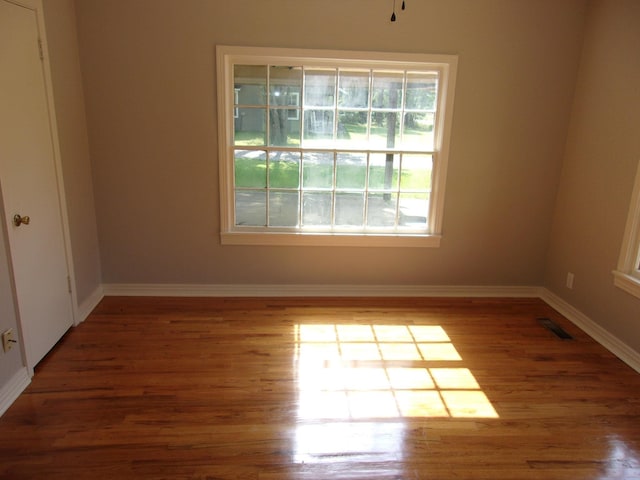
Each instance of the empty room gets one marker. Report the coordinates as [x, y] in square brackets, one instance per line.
[320, 239]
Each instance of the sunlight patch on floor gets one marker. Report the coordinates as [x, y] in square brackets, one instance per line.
[347, 372]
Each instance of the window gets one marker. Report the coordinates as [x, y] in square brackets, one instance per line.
[333, 148]
[627, 275]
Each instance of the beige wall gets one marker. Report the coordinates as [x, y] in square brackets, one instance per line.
[74, 146]
[149, 78]
[602, 155]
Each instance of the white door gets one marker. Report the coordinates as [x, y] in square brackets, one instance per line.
[30, 186]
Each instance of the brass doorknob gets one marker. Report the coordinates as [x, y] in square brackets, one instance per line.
[19, 220]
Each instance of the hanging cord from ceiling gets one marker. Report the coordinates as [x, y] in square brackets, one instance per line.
[393, 13]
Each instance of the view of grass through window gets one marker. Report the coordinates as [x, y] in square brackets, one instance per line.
[333, 149]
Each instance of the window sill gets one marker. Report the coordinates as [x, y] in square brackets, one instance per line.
[329, 240]
[627, 283]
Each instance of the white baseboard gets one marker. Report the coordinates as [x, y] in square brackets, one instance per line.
[11, 390]
[16, 385]
[191, 290]
[86, 307]
[602, 336]
[612, 343]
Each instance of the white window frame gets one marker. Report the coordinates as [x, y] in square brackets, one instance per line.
[627, 275]
[228, 56]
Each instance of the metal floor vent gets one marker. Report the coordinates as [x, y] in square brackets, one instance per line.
[554, 328]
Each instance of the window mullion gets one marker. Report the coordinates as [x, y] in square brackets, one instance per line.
[299, 221]
[398, 189]
[335, 106]
[366, 193]
[402, 109]
[370, 106]
[268, 145]
[267, 189]
[333, 189]
[303, 102]
[268, 105]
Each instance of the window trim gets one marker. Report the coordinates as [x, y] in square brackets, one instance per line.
[227, 56]
[627, 274]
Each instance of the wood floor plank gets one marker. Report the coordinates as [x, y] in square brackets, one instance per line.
[331, 388]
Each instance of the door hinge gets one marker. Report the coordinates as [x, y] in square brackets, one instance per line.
[40, 49]
[69, 283]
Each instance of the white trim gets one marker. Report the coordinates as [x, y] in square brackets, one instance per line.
[625, 274]
[599, 334]
[86, 307]
[612, 343]
[11, 390]
[55, 140]
[324, 240]
[227, 56]
[616, 346]
[225, 290]
[627, 283]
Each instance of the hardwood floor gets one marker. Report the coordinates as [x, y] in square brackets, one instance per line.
[150, 388]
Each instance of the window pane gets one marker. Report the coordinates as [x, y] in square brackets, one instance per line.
[416, 172]
[354, 90]
[250, 126]
[422, 91]
[283, 208]
[349, 209]
[351, 170]
[418, 130]
[319, 88]
[251, 208]
[317, 170]
[414, 208]
[293, 113]
[284, 128]
[250, 81]
[284, 169]
[250, 168]
[384, 171]
[352, 129]
[316, 208]
[387, 90]
[385, 129]
[285, 86]
[318, 125]
[381, 210]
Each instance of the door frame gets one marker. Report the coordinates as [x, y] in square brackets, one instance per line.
[37, 7]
